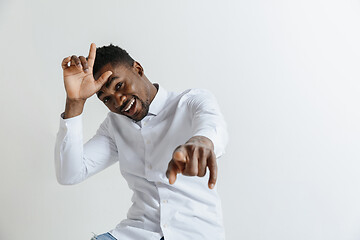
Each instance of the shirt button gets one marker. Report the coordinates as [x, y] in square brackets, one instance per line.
[150, 167]
[148, 141]
[165, 225]
[165, 201]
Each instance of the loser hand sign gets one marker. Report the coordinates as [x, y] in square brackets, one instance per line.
[78, 76]
[192, 159]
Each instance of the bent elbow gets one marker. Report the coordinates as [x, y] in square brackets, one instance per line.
[67, 181]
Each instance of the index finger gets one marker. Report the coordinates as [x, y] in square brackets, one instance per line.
[172, 171]
[92, 54]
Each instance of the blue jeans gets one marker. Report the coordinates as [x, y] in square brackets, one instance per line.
[108, 236]
[105, 236]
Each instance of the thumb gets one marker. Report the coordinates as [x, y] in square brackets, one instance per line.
[103, 78]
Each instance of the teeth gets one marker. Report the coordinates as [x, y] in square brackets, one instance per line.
[130, 105]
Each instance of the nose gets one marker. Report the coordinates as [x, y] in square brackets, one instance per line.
[119, 100]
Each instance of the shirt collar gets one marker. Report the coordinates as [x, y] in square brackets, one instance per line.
[159, 100]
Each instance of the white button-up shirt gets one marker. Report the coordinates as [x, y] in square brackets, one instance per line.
[188, 209]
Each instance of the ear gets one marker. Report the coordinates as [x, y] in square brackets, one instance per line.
[138, 68]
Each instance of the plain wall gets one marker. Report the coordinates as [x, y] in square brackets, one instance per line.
[285, 73]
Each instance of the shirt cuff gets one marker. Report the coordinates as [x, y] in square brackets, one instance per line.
[214, 137]
[72, 126]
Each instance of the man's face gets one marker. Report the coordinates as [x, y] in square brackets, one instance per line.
[127, 91]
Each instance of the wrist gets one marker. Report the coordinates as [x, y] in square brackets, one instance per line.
[73, 107]
[75, 100]
[202, 140]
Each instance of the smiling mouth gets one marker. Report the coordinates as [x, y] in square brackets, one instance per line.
[128, 106]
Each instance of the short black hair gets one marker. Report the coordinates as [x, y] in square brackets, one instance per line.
[111, 54]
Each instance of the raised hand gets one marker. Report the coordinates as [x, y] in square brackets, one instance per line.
[79, 81]
[192, 159]
[78, 76]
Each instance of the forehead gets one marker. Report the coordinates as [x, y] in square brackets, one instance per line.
[116, 69]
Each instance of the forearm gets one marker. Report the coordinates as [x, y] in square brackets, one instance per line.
[75, 161]
[212, 127]
[69, 152]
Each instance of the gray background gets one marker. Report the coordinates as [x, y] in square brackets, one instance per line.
[285, 73]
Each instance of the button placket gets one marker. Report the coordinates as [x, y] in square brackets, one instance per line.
[165, 209]
[148, 146]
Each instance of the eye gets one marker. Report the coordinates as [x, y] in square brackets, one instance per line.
[118, 86]
[106, 100]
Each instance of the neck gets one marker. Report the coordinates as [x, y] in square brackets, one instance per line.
[152, 89]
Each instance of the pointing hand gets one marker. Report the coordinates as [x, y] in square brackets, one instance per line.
[192, 159]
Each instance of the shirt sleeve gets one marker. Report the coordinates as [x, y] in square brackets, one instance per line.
[75, 161]
[207, 119]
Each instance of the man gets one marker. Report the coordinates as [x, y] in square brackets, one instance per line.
[163, 141]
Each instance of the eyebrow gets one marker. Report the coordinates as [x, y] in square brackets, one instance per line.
[109, 81]
[107, 85]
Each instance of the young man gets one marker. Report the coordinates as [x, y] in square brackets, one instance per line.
[163, 141]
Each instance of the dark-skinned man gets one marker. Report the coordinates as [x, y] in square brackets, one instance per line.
[164, 143]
